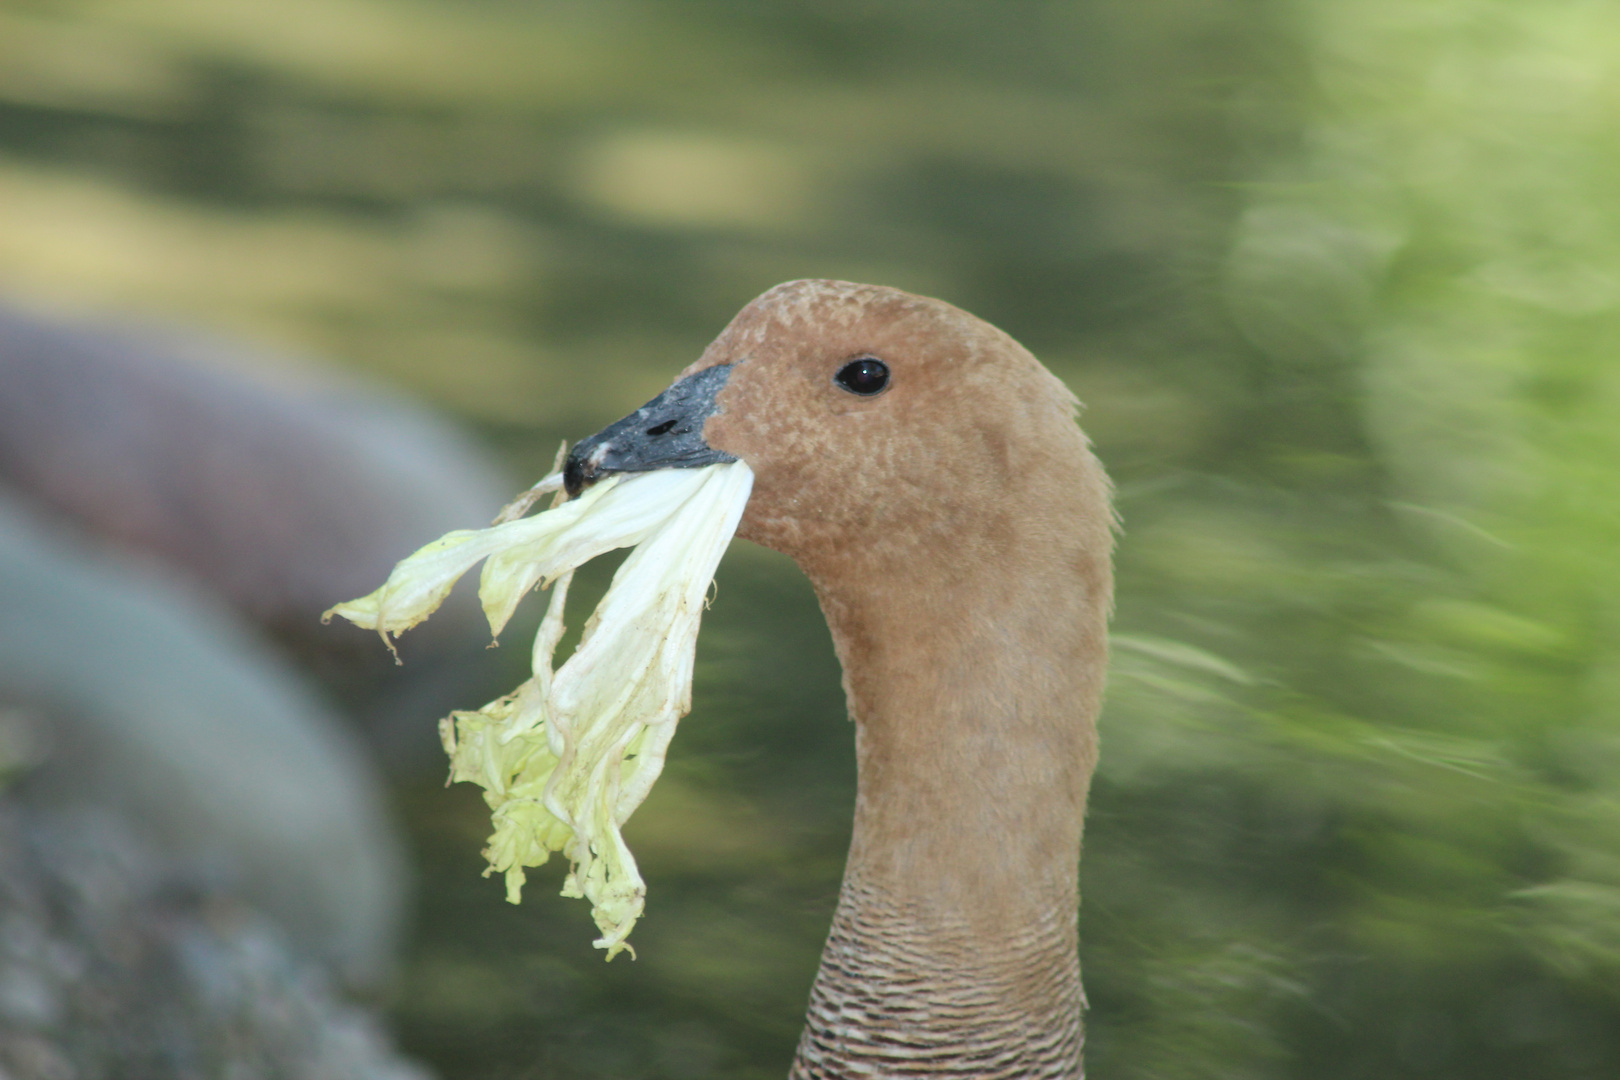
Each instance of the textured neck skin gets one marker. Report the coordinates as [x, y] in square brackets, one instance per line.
[958, 534]
[898, 997]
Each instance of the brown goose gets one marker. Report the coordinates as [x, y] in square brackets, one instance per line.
[927, 474]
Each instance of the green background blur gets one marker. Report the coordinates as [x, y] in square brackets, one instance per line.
[1336, 279]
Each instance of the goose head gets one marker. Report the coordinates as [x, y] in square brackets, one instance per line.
[887, 433]
[927, 474]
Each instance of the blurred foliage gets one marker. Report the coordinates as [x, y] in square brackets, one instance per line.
[1338, 280]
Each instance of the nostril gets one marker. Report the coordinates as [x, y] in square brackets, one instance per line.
[661, 429]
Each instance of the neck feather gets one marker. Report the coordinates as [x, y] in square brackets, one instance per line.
[974, 686]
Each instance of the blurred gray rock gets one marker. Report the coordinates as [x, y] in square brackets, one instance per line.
[285, 494]
[113, 965]
[160, 704]
[281, 489]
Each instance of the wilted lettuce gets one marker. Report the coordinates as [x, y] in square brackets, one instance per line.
[567, 757]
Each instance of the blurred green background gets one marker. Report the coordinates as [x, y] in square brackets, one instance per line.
[1336, 279]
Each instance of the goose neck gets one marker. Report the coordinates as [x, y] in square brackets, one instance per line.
[954, 945]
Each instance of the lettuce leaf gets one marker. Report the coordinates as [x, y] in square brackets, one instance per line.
[566, 758]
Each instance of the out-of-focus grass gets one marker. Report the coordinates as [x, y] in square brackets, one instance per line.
[1412, 808]
[1336, 280]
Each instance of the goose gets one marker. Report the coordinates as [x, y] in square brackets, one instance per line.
[928, 476]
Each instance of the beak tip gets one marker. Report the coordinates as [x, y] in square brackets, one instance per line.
[574, 477]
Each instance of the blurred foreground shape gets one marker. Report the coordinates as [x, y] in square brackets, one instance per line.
[279, 488]
[157, 703]
[194, 852]
[114, 966]
[197, 854]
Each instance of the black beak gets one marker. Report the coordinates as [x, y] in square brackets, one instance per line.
[665, 433]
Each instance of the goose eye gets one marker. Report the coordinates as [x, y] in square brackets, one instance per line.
[866, 376]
